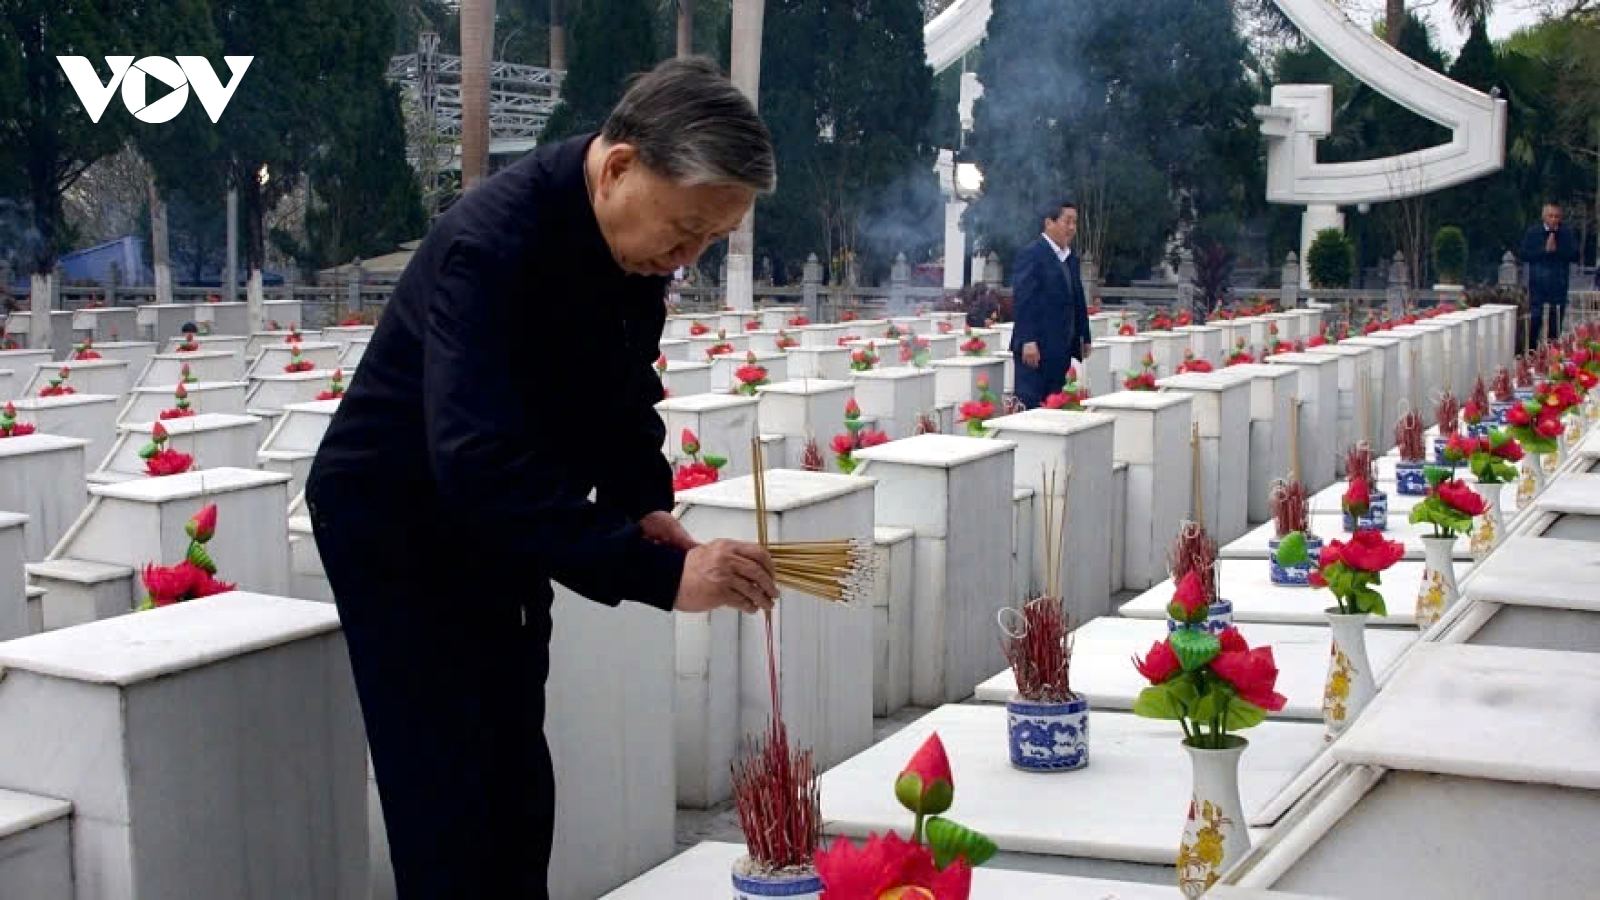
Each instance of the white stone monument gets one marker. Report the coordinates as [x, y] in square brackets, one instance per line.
[91, 417]
[1152, 437]
[896, 397]
[685, 379]
[892, 611]
[1221, 409]
[145, 404]
[1273, 392]
[725, 424]
[1319, 416]
[803, 409]
[292, 444]
[275, 358]
[213, 439]
[96, 376]
[204, 365]
[41, 478]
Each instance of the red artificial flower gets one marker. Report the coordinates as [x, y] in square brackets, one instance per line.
[1358, 498]
[750, 374]
[1232, 641]
[191, 346]
[852, 409]
[696, 474]
[158, 432]
[1461, 498]
[1253, 673]
[889, 868]
[169, 584]
[870, 438]
[752, 325]
[689, 442]
[167, 462]
[1145, 381]
[176, 413]
[698, 328]
[799, 322]
[946, 328]
[203, 524]
[1283, 347]
[1127, 330]
[848, 315]
[1510, 451]
[1550, 428]
[1588, 379]
[976, 345]
[1567, 395]
[1185, 319]
[1460, 446]
[1191, 595]
[1518, 415]
[981, 410]
[351, 322]
[85, 354]
[1329, 554]
[1471, 413]
[1160, 664]
[1369, 551]
[206, 585]
[1316, 580]
[843, 444]
[925, 786]
[1317, 340]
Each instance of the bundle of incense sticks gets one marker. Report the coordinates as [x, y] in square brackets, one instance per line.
[1408, 437]
[1358, 462]
[1291, 508]
[1447, 414]
[839, 571]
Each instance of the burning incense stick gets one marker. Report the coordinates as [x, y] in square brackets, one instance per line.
[839, 571]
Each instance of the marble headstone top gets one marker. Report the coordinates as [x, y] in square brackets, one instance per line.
[38, 443]
[969, 362]
[309, 375]
[188, 484]
[1137, 400]
[1372, 340]
[1219, 380]
[1575, 493]
[1340, 349]
[36, 403]
[943, 451]
[885, 535]
[695, 403]
[1538, 571]
[806, 386]
[679, 365]
[1500, 713]
[786, 489]
[315, 407]
[191, 355]
[12, 520]
[1304, 359]
[199, 422]
[1261, 370]
[1123, 339]
[1197, 329]
[1058, 422]
[20, 812]
[127, 649]
[894, 373]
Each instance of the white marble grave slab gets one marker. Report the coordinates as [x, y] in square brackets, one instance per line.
[35, 846]
[686, 379]
[272, 337]
[14, 619]
[892, 647]
[703, 871]
[224, 318]
[1205, 341]
[724, 367]
[828, 363]
[1124, 354]
[1102, 667]
[24, 362]
[106, 323]
[1534, 571]
[275, 357]
[176, 731]
[896, 396]
[725, 424]
[1247, 584]
[1220, 406]
[1159, 482]
[1319, 415]
[1331, 526]
[91, 417]
[288, 313]
[1485, 712]
[145, 404]
[1273, 390]
[135, 353]
[158, 320]
[269, 394]
[232, 342]
[95, 376]
[1387, 383]
[1169, 348]
[41, 478]
[345, 335]
[204, 365]
[213, 439]
[1573, 493]
[956, 379]
[1137, 783]
[804, 408]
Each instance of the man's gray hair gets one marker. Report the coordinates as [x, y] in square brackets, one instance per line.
[690, 124]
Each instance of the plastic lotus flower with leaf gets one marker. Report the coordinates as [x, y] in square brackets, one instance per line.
[1212, 684]
[1241, 354]
[784, 341]
[335, 389]
[1144, 379]
[180, 408]
[699, 329]
[85, 351]
[976, 412]
[936, 864]
[159, 459]
[10, 427]
[1192, 363]
[296, 364]
[857, 436]
[194, 577]
[1450, 506]
[914, 351]
[1071, 395]
[58, 386]
[973, 345]
[750, 376]
[864, 359]
[701, 470]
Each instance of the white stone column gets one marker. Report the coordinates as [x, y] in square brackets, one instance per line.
[1149, 427]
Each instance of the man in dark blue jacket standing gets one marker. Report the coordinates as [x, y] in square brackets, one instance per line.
[1051, 310]
[1548, 249]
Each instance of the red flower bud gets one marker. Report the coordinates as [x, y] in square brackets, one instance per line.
[926, 786]
[1160, 664]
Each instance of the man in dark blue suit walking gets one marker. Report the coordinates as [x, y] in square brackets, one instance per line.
[1052, 313]
[1548, 249]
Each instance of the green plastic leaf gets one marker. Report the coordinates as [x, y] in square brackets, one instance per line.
[1194, 648]
[1370, 601]
[1159, 701]
[1206, 708]
[951, 841]
[197, 554]
[908, 790]
[715, 462]
[1436, 475]
[147, 451]
[1292, 550]
[1243, 714]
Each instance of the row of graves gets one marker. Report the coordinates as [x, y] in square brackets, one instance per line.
[1411, 735]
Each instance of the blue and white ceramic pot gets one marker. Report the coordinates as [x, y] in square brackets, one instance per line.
[1498, 410]
[1048, 737]
[1219, 618]
[1294, 576]
[1439, 443]
[1376, 518]
[803, 886]
[1410, 479]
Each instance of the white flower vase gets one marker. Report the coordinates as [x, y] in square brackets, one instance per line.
[1350, 685]
[1532, 481]
[1216, 834]
[1486, 533]
[1439, 591]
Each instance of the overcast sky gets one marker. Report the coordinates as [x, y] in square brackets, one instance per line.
[1509, 16]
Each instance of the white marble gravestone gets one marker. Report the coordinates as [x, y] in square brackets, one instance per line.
[826, 335]
[1152, 436]
[831, 363]
[723, 368]
[35, 846]
[1079, 443]
[307, 580]
[1319, 416]
[14, 619]
[1124, 355]
[350, 359]
[1461, 345]
[725, 424]
[91, 417]
[1246, 583]
[766, 340]
[157, 320]
[703, 871]
[262, 339]
[1273, 391]
[892, 611]
[956, 380]
[734, 321]
[275, 357]
[1358, 401]
[1168, 347]
[674, 349]
[956, 493]
[1534, 592]
[213, 439]
[1233, 330]
[943, 346]
[178, 733]
[285, 312]
[1102, 671]
[95, 376]
[1095, 373]
[205, 365]
[1221, 408]
[224, 318]
[610, 688]
[1288, 326]
[292, 444]
[1427, 360]
[106, 323]
[23, 363]
[699, 345]
[1205, 341]
[1387, 381]
[824, 651]
[144, 404]
[235, 343]
[685, 379]
[1103, 324]
[345, 335]
[139, 522]
[896, 397]
[1136, 784]
[135, 353]
[680, 326]
[801, 409]
[41, 477]
[269, 394]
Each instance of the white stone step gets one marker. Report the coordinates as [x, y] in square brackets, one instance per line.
[35, 847]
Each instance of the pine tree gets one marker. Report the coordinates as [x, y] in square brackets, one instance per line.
[611, 41]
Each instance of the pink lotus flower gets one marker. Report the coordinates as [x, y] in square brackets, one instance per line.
[1160, 664]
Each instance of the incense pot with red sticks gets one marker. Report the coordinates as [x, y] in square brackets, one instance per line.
[1409, 477]
[1503, 396]
[1291, 518]
[1365, 507]
[1047, 722]
[1194, 551]
[1447, 418]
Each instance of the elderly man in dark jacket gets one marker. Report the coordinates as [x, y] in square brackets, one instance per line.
[1549, 249]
